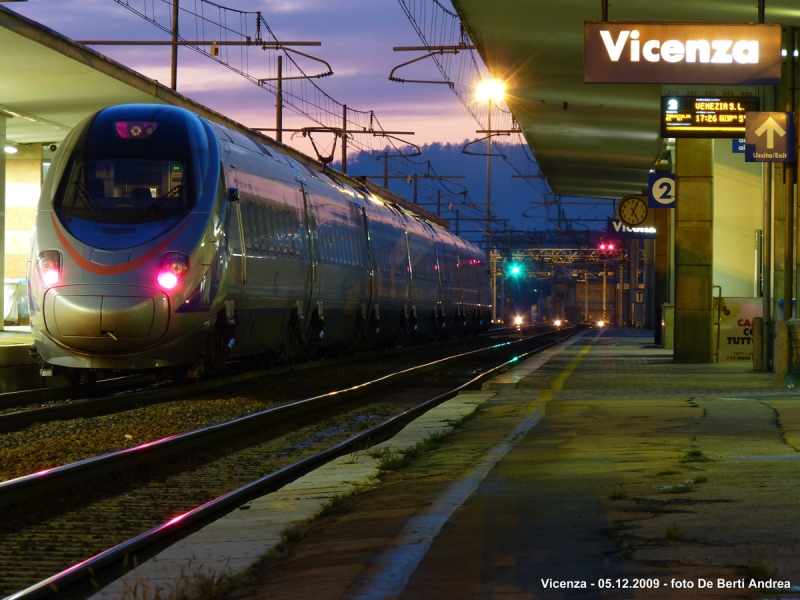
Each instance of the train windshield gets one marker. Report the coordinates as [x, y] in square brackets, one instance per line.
[132, 188]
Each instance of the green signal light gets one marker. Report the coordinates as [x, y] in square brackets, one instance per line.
[515, 270]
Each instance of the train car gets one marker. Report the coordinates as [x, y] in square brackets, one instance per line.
[163, 240]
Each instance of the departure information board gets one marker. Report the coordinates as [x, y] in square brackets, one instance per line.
[705, 117]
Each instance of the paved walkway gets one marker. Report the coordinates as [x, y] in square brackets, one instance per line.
[601, 464]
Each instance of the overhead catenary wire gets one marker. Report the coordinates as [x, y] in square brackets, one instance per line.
[301, 94]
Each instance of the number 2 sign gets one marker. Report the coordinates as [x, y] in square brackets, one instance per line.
[660, 190]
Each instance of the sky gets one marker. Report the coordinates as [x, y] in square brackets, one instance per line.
[357, 38]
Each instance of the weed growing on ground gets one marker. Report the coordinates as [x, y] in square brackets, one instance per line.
[700, 479]
[668, 472]
[673, 533]
[391, 460]
[459, 422]
[625, 547]
[295, 532]
[433, 441]
[192, 584]
[394, 460]
[335, 505]
[618, 494]
[756, 569]
[352, 459]
[695, 456]
[679, 489]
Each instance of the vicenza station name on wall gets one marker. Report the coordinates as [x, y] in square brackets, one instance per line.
[682, 53]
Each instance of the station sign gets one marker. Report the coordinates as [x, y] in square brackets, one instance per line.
[770, 137]
[618, 230]
[703, 53]
[705, 117]
[660, 190]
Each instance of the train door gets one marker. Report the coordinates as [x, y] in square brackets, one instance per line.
[312, 317]
[237, 249]
[367, 311]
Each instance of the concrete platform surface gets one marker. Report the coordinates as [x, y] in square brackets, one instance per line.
[607, 466]
[16, 335]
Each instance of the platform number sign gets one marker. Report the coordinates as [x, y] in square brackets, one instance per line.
[660, 190]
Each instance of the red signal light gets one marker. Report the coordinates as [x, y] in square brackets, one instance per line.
[611, 246]
[132, 130]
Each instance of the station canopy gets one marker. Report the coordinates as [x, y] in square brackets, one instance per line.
[595, 140]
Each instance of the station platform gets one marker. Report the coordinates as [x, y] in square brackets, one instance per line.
[596, 469]
[16, 335]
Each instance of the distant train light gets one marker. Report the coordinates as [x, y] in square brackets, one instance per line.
[518, 320]
[49, 266]
[171, 270]
[601, 323]
[557, 322]
[135, 130]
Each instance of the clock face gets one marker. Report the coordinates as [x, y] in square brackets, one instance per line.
[632, 210]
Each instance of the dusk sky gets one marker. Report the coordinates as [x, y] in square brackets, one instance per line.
[357, 39]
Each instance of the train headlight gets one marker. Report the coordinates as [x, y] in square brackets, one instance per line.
[49, 265]
[518, 320]
[557, 322]
[171, 269]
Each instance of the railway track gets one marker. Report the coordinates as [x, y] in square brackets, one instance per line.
[47, 444]
[129, 392]
[106, 500]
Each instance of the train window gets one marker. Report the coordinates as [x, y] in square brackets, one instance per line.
[98, 188]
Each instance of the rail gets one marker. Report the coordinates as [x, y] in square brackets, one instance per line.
[35, 484]
[83, 579]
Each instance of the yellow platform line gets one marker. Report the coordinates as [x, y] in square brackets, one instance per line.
[558, 382]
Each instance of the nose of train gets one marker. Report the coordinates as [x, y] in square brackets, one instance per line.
[106, 318]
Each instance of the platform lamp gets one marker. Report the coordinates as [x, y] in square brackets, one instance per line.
[490, 91]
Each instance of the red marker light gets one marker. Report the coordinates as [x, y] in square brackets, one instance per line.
[611, 246]
[49, 266]
[602, 246]
[135, 130]
[171, 269]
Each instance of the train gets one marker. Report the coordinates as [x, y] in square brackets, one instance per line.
[164, 240]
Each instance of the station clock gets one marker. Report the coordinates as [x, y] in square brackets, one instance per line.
[632, 210]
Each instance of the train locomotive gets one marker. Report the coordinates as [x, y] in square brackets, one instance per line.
[165, 240]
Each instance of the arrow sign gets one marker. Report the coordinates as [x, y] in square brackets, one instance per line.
[770, 127]
[770, 137]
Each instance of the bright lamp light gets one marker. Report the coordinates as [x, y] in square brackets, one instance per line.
[10, 150]
[491, 90]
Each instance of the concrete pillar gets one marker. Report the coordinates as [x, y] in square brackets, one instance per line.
[778, 237]
[782, 353]
[694, 216]
[2, 209]
[23, 186]
[662, 254]
[649, 288]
